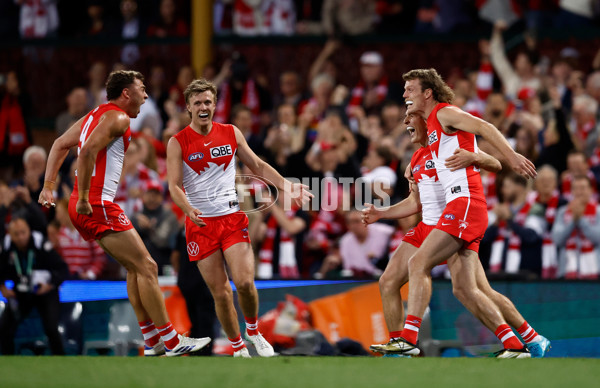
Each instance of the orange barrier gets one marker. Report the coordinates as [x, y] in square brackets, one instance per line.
[176, 308]
[355, 314]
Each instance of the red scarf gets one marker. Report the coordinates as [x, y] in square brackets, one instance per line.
[12, 121]
[549, 258]
[489, 189]
[581, 257]
[359, 92]
[513, 255]
[288, 265]
[249, 99]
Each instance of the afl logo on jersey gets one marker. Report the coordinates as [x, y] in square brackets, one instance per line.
[224, 150]
[449, 216]
[429, 164]
[433, 137]
[417, 168]
[195, 156]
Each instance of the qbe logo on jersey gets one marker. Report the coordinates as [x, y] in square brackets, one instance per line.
[220, 151]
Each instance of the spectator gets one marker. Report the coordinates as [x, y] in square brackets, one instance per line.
[363, 250]
[241, 117]
[282, 235]
[516, 78]
[76, 109]
[547, 200]
[38, 19]
[157, 90]
[290, 89]
[168, 23]
[583, 123]
[97, 25]
[516, 231]
[34, 163]
[576, 165]
[85, 259]
[184, 77]
[379, 178]
[36, 271]
[576, 232]
[348, 17]
[155, 223]
[96, 92]
[148, 117]
[131, 27]
[15, 136]
[286, 137]
[16, 202]
[374, 87]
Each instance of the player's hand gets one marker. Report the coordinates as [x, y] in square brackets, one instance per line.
[46, 198]
[370, 214]
[83, 207]
[194, 215]
[299, 193]
[522, 166]
[460, 159]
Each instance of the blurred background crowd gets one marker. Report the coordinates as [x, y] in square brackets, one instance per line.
[316, 88]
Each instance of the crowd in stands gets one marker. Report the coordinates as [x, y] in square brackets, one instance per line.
[311, 125]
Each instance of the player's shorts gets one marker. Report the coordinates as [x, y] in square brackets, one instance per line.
[467, 219]
[219, 233]
[105, 217]
[418, 234]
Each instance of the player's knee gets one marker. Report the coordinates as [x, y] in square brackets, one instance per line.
[245, 286]
[388, 284]
[222, 295]
[148, 267]
[461, 292]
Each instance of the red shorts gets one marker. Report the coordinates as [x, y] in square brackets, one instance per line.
[418, 234]
[104, 218]
[219, 233]
[466, 219]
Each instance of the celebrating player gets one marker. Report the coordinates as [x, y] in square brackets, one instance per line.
[428, 197]
[102, 138]
[201, 161]
[464, 218]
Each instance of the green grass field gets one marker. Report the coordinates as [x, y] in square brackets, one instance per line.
[284, 372]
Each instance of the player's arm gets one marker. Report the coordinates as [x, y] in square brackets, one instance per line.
[297, 191]
[111, 125]
[56, 157]
[463, 158]
[175, 180]
[407, 207]
[453, 117]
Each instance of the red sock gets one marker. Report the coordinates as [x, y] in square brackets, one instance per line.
[237, 343]
[151, 335]
[527, 333]
[508, 338]
[251, 325]
[169, 335]
[411, 329]
[395, 334]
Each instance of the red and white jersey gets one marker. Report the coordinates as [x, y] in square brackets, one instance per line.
[465, 182]
[209, 169]
[109, 162]
[431, 191]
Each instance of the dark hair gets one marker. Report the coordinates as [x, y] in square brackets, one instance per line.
[582, 177]
[119, 80]
[237, 109]
[430, 79]
[385, 153]
[516, 178]
[199, 86]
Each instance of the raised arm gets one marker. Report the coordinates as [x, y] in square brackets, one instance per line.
[175, 180]
[453, 118]
[58, 153]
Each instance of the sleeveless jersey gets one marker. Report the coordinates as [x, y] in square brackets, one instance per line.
[109, 161]
[431, 191]
[465, 182]
[209, 169]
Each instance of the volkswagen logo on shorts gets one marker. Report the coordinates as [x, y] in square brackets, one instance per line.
[193, 249]
[123, 219]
